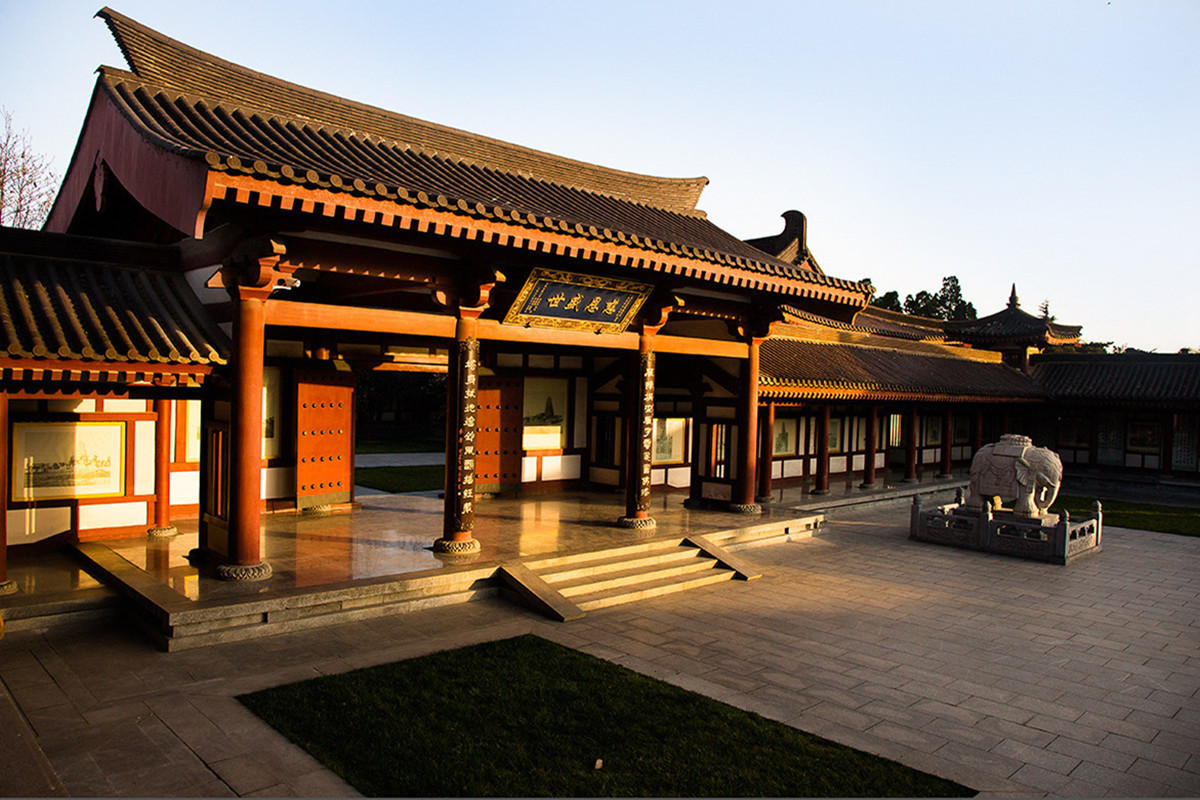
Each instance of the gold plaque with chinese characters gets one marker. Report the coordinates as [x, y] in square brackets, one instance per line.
[567, 300]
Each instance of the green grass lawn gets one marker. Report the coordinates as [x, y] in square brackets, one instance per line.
[401, 479]
[1140, 516]
[526, 717]
[388, 446]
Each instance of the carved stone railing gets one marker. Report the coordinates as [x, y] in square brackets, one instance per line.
[1053, 538]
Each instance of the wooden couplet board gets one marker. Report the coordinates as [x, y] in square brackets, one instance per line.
[324, 438]
[498, 467]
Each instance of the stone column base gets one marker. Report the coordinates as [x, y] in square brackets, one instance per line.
[244, 572]
[163, 532]
[866, 485]
[637, 523]
[320, 508]
[457, 546]
[819, 491]
[745, 508]
[8, 587]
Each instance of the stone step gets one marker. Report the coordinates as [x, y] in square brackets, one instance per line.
[88, 606]
[602, 564]
[637, 575]
[770, 533]
[649, 546]
[642, 591]
[236, 629]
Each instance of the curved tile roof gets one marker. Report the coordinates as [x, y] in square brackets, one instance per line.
[242, 121]
[1013, 325]
[799, 365]
[71, 298]
[1123, 377]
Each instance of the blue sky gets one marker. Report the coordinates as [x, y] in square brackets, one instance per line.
[1053, 144]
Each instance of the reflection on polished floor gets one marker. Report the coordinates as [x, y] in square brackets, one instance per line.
[393, 535]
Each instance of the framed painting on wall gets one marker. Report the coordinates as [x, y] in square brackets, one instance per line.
[670, 436]
[53, 460]
[545, 410]
[272, 404]
[785, 437]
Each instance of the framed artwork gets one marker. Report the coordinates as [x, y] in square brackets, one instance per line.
[54, 460]
[835, 434]
[272, 403]
[1143, 437]
[545, 409]
[191, 430]
[670, 438]
[785, 437]
[933, 431]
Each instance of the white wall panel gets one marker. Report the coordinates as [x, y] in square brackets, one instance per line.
[143, 456]
[185, 488]
[112, 515]
[28, 525]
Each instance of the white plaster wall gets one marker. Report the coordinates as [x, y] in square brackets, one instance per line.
[880, 460]
[658, 477]
[858, 462]
[603, 475]
[528, 469]
[793, 468]
[581, 426]
[278, 482]
[572, 467]
[143, 456]
[185, 488]
[716, 491]
[125, 406]
[777, 469]
[71, 406]
[837, 463]
[112, 515]
[679, 477]
[28, 525]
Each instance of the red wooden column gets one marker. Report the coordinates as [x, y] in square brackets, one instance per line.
[244, 553]
[947, 444]
[6, 586]
[462, 395]
[910, 446]
[872, 447]
[766, 453]
[639, 428]
[743, 496]
[162, 470]
[977, 432]
[821, 485]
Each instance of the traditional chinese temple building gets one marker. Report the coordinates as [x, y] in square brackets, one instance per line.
[229, 251]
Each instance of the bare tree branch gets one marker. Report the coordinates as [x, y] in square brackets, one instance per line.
[27, 183]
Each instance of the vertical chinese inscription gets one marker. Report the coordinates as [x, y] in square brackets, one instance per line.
[467, 389]
[646, 410]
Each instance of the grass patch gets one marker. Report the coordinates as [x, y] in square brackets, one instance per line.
[388, 446]
[526, 717]
[422, 478]
[1139, 516]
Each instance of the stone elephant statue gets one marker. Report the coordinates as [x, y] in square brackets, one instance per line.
[1014, 470]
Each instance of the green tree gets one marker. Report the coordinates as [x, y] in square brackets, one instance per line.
[946, 303]
[888, 300]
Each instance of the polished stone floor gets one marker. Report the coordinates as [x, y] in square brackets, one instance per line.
[393, 534]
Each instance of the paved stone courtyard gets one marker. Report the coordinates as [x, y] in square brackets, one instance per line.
[1011, 677]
